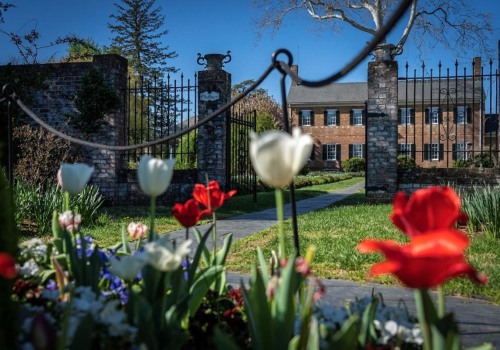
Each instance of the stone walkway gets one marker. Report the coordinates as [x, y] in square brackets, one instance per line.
[479, 321]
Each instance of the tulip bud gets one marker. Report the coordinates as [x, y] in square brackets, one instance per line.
[137, 230]
[73, 177]
[278, 156]
[155, 175]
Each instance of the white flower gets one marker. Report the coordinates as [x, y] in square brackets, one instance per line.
[278, 156]
[137, 230]
[73, 177]
[128, 266]
[155, 175]
[68, 221]
[161, 255]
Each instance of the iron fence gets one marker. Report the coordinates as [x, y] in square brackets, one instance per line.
[449, 118]
[156, 109]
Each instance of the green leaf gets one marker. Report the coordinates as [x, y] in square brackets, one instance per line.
[263, 266]
[220, 259]
[57, 232]
[367, 334]
[445, 334]
[126, 246]
[313, 340]
[201, 251]
[200, 287]
[260, 323]
[223, 341]
[82, 340]
[284, 311]
[347, 336]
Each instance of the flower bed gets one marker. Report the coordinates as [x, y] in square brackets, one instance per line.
[72, 294]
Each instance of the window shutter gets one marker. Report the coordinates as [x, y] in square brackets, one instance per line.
[412, 116]
[300, 118]
[469, 115]
[337, 121]
[363, 149]
[325, 118]
[440, 115]
[313, 153]
[427, 115]
[441, 151]
[400, 148]
[363, 117]
[337, 149]
[413, 152]
[426, 151]
[350, 150]
[351, 122]
[324, 152]
[455, 115]
[312, 118]
[400, 116]
[454, 151]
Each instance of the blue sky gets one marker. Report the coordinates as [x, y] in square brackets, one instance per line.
[218, 26]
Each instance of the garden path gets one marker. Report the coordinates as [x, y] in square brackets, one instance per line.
[478, 320]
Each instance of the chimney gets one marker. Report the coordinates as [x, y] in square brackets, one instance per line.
[295, 69]
[477, 67]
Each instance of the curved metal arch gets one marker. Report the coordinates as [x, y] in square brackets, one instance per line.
[283, 67]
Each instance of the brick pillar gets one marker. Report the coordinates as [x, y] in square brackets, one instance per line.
[107, 164]
[382, 130]
[214, 90]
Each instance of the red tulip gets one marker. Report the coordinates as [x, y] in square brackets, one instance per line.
[7, 266]
[189, 213]
[427, 261]
[428, 209]
[211, 196]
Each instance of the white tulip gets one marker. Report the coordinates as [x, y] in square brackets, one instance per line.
[155, 175]
[162, 256]
[278, 156]
[128, 266]
[73, 177]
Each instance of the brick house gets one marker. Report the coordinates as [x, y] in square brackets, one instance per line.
[439, 120]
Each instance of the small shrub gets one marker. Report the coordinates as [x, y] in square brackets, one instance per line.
[39, 154]
[93, 100]
[36, 204]
[483, 209]
[405, 162]
[353, 165]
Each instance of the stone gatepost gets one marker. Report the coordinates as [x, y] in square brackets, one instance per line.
[382, 127]
[214, 90]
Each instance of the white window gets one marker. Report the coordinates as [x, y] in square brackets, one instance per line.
[461, 117]
[462, 150]
[331, 117]
[434, 115]
[434, 151]
[405, 115]
[406, 149]
[305, 117]
[357, 150]
[331, 152]
[357, 117]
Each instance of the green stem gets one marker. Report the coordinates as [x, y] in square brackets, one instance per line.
[280, 214]
[423, 316]
[66, 201]
[214, 235]
[441, 302]
[152, 235]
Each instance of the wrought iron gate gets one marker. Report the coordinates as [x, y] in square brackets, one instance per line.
[239, 171]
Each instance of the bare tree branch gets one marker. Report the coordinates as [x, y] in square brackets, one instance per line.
[456, 25]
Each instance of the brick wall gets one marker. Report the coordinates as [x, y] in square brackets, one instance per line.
[466, 178]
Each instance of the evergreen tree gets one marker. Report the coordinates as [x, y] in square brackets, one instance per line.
[138, 29]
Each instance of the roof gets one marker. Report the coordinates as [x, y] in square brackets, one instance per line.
[349, 94]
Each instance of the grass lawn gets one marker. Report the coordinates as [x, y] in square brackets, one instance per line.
[108, 231]
[335, 232]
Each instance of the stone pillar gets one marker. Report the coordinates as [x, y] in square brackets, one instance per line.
[382, 129]
[214, 90]
[107, 164]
